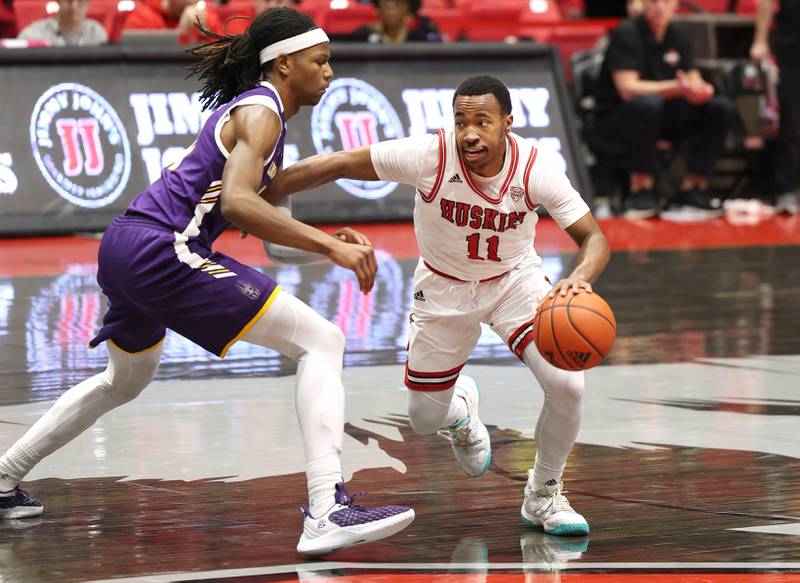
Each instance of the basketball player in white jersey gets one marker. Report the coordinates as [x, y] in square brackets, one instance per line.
[478, 188]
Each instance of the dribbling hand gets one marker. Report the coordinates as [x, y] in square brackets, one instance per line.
[570, 284]
[360, 259]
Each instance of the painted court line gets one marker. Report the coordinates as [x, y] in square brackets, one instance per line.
[545, 567]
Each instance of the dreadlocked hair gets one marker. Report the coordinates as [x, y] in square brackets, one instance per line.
[229, 64]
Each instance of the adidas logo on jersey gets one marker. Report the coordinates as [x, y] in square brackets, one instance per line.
[456, 178]
[579, 358]
[419, 296]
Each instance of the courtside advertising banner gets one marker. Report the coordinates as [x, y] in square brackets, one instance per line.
[78, 141]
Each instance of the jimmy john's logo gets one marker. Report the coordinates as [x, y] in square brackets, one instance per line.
[80, 145]
[352, 114]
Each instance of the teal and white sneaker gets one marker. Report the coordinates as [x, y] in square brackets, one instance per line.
[550, 509]
[469, 437]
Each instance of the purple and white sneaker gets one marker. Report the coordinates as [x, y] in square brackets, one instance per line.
[19, 505]
[346, 524]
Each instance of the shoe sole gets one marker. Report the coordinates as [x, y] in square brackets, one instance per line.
[478, 419]
[561, 530]
[21, 512]
[356, 535]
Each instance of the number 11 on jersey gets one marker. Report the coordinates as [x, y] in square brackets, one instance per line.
[473, 242]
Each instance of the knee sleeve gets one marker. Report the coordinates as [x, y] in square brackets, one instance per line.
[566, 393]
[128, 374]
[563, 389]
[296, 330]
[427, 411]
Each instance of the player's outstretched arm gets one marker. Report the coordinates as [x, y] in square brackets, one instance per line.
[254, 135]
[591, 259]
[321, 169]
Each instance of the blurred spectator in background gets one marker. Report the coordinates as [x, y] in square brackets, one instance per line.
[179, 15]
[69, 27]
[260, 6]
[399, 23]
[649, 89]
[633, 8]
[786, 44]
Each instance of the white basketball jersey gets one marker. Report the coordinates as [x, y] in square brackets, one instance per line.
[471, 228]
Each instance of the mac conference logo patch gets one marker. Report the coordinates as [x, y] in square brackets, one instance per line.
[351, 114]
[80, 145]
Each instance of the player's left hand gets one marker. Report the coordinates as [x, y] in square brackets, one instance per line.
[570, 284]
[350, 235]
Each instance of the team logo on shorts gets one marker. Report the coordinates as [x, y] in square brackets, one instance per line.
[80, 145]
[351, 114]
[516, 193]
[248, 289]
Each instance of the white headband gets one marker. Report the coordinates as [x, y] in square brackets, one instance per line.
[293, 44]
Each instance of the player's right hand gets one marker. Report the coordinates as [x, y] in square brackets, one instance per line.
[360, 259]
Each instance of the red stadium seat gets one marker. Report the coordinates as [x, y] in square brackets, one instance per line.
[27, 11]
[496, 21]
[339, 16]
[449, 21]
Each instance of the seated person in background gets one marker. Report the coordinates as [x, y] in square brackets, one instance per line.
[69, 27]
[649, 89]
[179, 15]
[399, 23]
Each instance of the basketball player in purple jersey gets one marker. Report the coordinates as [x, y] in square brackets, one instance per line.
[478, 187]
[158, 271]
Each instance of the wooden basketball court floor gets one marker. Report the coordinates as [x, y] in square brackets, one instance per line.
[687, 465]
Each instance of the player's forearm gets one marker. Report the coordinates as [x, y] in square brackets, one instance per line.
[305, 175]
[763, 18]
[258, 218]
[321, 169]
[592, 258]
[667, 89]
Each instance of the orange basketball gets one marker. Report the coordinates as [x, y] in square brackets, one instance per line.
[576, 331]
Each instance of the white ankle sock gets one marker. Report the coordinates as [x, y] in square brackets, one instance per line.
[322, 476]
[543, 474]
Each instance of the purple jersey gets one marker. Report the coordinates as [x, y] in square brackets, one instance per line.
[185, 199]
[156, 266]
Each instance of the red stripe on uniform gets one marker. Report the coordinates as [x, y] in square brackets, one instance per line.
[512, 170]
[432, 387]
[440, 172]
[523, 344]
[446, 276]
[519, 331]
[526, 340]
[433, 375]
[528, 168]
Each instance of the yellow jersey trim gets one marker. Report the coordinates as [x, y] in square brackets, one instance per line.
[252, 321]
[115, 345]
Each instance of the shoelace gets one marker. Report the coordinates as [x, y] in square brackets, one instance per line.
[459, 436]
[348, 501]
[557, 501]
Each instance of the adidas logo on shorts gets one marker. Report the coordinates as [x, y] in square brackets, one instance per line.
[456, 178]
[419, 296]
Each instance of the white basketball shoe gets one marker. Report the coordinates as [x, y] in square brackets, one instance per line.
[550, 509]
[469, 437]
[346, 524]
